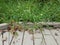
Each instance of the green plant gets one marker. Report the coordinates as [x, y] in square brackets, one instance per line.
[29, 10]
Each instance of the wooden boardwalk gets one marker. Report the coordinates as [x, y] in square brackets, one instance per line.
[46, 37]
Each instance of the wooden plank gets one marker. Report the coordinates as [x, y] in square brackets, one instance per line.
[0, 39]
[55, 24]
[54, 38]
[56, 34]
[19, 38]
[38, 38]
[3, 26]
[58, 29]
[27, 39]
[49, 38]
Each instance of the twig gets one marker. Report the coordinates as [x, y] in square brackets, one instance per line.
[42, 34]
[2, 38]
[12, 38]
[23, 37]
[33, 38]
[43, 38]
[41, 41]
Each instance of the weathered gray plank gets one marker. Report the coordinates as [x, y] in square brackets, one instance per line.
[38, 38]
[56, 35]
[49, 38]
[27, 39]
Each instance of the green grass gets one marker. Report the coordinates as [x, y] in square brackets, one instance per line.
[29, 10]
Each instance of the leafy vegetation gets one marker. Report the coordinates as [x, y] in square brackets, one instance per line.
[29, 10]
